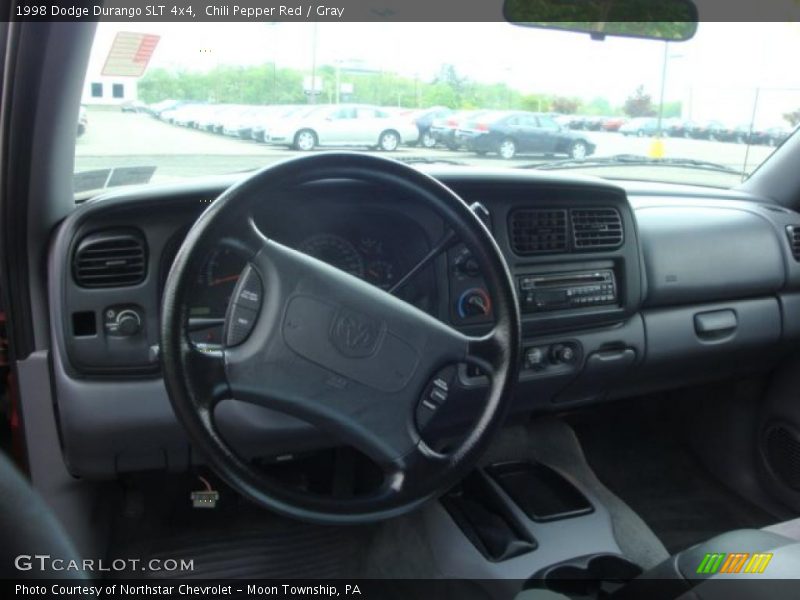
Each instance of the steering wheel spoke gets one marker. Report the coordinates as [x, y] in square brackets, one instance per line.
[206, 366]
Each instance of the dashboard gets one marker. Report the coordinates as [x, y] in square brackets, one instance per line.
[622, 290]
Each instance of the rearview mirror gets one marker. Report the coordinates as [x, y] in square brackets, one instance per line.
[667, 20]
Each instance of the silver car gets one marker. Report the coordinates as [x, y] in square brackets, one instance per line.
[345, 125]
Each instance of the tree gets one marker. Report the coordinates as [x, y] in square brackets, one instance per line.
[448, 76]
[565, 106]
[793, 117]
[600, 107]
[639, 104]
[672, 109]
[535, 102]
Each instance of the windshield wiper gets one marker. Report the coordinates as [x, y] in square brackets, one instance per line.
[633, 160]
[424, 160]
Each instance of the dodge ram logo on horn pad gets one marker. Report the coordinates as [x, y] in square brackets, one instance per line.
[355, 335]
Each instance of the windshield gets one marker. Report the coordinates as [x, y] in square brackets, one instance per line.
[165, 102]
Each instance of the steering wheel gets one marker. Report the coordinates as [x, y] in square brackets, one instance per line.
[307, 339]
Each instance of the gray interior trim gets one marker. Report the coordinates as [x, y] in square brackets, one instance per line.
[71, 499]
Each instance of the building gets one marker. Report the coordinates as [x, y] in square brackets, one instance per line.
[117, 62]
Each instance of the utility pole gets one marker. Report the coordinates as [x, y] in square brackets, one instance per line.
[313, 95]
[663, 85]
[338, 79]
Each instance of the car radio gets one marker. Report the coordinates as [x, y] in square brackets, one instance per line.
[557, 291]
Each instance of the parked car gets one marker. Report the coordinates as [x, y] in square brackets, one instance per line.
[775, 136]
[133, 106]
[83, 120]
[738, 134]
[640, 127]
[187, 114]
[578, 123]
[424, 119]
[710, 129]
[512, 133]
[443, 129]
[344, 125]
[240, 122]
[266, 122]
[594, 123]
[159, 108]
[677, 127]
[208, 117]
[614, 123]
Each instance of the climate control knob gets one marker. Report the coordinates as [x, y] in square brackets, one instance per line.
[474, 302]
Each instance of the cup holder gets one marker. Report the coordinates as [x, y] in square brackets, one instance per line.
[596, 576]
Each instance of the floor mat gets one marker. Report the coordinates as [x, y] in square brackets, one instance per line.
[637, 449]
[235, 540]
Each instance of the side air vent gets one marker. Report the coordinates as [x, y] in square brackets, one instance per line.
[793, 231]
[110, 258]
[538, 231]
[596, 228]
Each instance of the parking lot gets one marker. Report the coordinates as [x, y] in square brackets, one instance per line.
[116, 139]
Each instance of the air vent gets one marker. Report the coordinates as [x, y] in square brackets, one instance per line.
[596, 228]
[793, 231]
[538, 231]
[111, 258]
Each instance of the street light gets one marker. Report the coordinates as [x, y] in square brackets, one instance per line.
[657, 147]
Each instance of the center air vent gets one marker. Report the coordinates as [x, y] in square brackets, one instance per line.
[538, 231]
[110, 258]
[793, 231]
[596, 228]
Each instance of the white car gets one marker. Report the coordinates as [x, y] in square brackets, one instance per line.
[345, 125]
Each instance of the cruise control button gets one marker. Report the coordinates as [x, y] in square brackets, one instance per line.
[248, 290]
[240, 324]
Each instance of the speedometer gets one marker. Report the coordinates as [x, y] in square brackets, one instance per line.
[215, 284]
[336, 251]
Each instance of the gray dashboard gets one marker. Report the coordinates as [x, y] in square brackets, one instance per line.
[646, 290]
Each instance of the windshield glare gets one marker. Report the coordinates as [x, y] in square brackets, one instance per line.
[209, 99]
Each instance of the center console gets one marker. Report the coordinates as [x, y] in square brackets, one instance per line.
[526, 524]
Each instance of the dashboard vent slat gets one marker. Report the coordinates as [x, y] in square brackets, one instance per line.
[596, 228]
[793, 232]
[110, 258]
[538, 231]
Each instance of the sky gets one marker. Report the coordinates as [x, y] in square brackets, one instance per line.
[715, 72]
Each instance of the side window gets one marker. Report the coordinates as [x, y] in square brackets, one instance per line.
[365, 113]
[528, 121]
[547, 123]
[513, 121]
[343, 113]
